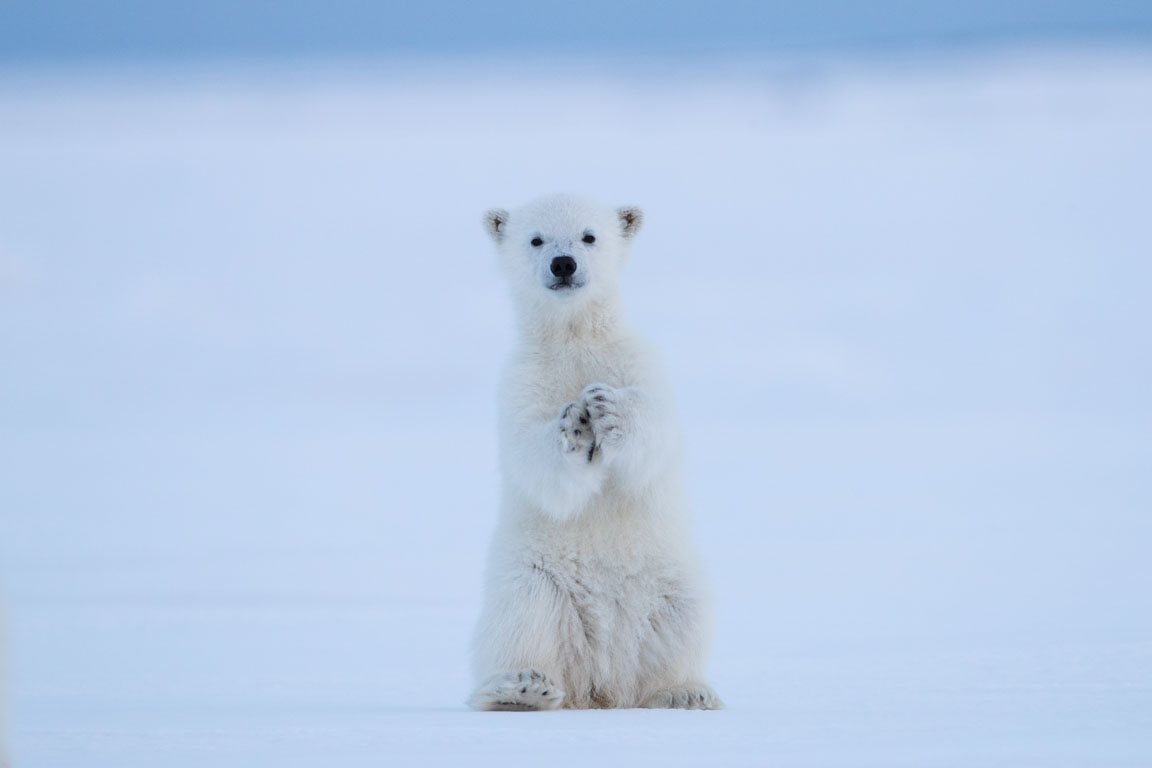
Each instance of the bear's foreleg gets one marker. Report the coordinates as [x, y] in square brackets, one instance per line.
[550, 464]
[631, 432]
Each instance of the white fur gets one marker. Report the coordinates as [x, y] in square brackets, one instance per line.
[594, 598]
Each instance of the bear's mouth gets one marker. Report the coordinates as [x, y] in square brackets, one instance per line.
[564, 284]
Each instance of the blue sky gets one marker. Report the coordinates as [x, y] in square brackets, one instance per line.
[127, 29]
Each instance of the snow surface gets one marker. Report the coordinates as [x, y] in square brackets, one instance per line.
[249, 337]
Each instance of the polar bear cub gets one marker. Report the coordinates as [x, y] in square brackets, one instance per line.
[593, 594]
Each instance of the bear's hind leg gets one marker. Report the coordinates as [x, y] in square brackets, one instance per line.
[523, 648]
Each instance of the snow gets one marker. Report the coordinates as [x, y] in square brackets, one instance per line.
[250, 330]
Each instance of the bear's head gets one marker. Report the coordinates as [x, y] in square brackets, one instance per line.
[561, 253]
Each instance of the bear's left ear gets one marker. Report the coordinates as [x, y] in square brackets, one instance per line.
[496, 222]
[630, 220]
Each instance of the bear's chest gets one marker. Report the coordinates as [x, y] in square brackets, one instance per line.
[561, 377]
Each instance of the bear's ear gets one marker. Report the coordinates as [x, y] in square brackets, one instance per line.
[630, 220]
[495, 223]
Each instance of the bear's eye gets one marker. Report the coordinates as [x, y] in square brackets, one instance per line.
[589, 239]
[537, 242]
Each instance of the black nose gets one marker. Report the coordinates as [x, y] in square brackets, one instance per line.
[563, 266]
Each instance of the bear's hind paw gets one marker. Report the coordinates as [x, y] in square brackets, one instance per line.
[523, 691]
[688, 697]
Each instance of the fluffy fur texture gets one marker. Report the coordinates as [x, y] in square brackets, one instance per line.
[594, 596]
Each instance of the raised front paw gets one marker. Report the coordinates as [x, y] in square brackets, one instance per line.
[603, 404]
[576, 438]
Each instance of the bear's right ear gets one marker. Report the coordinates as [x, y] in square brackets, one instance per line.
[495, 222]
